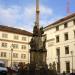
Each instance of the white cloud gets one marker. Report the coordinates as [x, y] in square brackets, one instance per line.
[23, 17]
[8, 16]
[44, 11]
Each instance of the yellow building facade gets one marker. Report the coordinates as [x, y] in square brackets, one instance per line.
[14, 45]
[61, 43]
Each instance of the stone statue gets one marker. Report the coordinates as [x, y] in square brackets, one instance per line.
[36, 42]
[38, 51]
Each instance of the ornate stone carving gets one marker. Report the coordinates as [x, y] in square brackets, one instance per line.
[36, 42]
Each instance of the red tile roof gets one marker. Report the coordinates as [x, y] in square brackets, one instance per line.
[62, 19]
[14, 30]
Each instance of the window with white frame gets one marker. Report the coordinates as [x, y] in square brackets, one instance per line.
[67, 67]
[4, 45]
[23, 46]
[23, 56]
[3, 54]
[74, 33]
[66, 36]
[58, 51]
[16, 37]
[15, 46]
[4, 35]
[66, 49]
[57, 38]
[24, 38]
[15, 55]
[74, 21]
[65, 25]
[57, 28]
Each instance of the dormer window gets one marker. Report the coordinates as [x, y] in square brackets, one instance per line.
[4, 35]
[66, 36]
[74, 22]
[65, 25]
[57, 28]
[16, 37]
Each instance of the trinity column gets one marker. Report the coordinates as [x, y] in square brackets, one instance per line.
[38, 50]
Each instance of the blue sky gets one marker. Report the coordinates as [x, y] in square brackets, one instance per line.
[21, 13]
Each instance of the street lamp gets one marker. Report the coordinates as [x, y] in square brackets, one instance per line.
[11, 54]
[72, 60]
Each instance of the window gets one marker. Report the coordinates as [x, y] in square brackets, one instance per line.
[3, 54]
[15, 55]
[58, 51]
[57, 38]
[16, 37]
[66, 49]
[74, 33]
[65, 25]
[4, 35]
[66, 36]
[23, 56]
[57, 28]
[67, 67]
[15, 45]
[24, 38]
[58, 63]
[58, 67]
[74, 22]
[4, 44]
[23, 46]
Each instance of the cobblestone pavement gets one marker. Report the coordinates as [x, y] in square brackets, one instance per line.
[12, 74]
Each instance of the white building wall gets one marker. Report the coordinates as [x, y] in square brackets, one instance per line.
[10, 40]
[52, 45]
